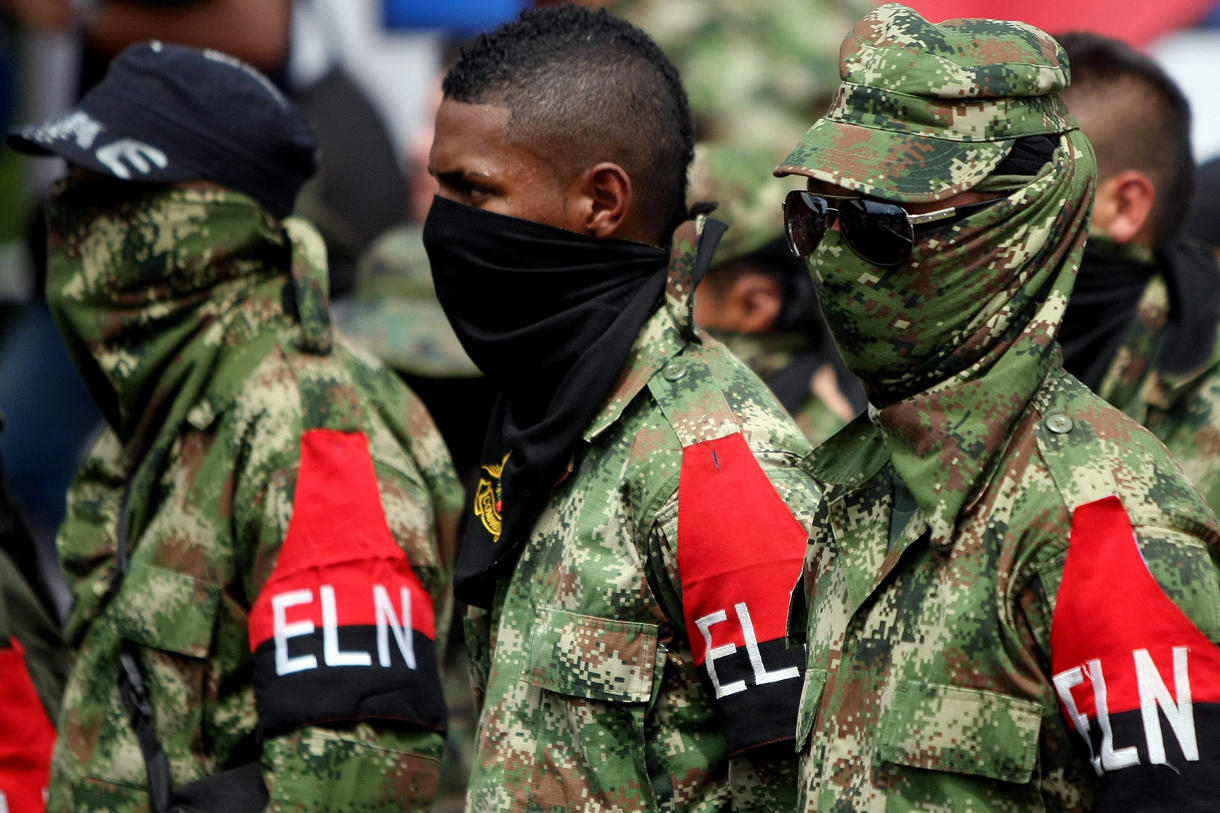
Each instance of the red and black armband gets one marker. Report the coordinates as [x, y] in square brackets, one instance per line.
[1137, 682]
[739, 554]
[343, 630]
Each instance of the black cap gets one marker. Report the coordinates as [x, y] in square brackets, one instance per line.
[166, 113]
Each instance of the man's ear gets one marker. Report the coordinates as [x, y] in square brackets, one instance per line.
[601, 202]
[755, 301]
[1123, 209]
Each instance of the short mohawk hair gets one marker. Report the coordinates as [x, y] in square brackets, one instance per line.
[584, 86]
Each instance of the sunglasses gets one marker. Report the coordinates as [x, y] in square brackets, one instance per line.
[879, 233]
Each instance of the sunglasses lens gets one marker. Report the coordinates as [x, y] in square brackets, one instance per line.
[878, 232]
[805, 221]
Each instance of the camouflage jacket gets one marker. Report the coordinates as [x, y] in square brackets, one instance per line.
[931, 678]
[821, 412]
[1182, 409]
[300, 459]
[633, 659]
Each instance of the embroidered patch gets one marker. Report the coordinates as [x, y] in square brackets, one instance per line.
[1136, 679]
[739, 554]
[343, 629]
[489, 499]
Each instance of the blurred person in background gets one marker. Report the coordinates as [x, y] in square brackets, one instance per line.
[758, 299]
[757, 71]
[1142, 328]
[33, 666]
[259, 544]
[623, 659]
[1203, 220]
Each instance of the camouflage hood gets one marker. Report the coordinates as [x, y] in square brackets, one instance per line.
[952, 345]
[158, 290]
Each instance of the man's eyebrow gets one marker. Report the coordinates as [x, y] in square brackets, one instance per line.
[457, 175]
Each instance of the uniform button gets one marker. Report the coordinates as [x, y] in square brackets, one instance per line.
[1059, 423]
[674, 371]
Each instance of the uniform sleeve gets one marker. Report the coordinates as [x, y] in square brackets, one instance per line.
[725, 552]
[1129, 631]
[343, 632]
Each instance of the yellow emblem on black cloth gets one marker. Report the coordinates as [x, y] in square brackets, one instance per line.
[489, 499]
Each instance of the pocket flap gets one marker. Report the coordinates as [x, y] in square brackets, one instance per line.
[811, 701]
[594, 658]
[165, 609]
[968, 731]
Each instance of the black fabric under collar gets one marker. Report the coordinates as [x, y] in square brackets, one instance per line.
[1104, 302]
[549, 316]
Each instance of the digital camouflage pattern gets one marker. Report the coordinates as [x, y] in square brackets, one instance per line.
[928, 684]
[767, 354]
[590, 695]
[930, 584]
[211, 353]
[756, 71]
[749, 200]
[1182, 409]
[395, 313]
[926, 111]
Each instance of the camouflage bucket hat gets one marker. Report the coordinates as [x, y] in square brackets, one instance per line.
[927, 111]
[395, 313]
[748, 197]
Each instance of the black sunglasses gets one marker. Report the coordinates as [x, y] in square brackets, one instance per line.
[879, 233]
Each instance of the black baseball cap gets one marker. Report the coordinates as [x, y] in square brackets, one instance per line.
[166, 113]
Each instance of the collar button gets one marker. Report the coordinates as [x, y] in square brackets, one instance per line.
[1059, 423]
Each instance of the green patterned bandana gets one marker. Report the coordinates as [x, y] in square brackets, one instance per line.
[952, 345]
[143, 287]
[164, 296]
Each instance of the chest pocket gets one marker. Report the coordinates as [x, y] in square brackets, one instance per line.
[167, 610]
[593, 658]
[961, 731]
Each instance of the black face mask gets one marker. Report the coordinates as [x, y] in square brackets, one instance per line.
[549, 316]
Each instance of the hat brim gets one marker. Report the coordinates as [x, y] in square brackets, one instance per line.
[891, 165]
[96, 141]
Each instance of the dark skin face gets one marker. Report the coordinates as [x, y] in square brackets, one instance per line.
[475, 163]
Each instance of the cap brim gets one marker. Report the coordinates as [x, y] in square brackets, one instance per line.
[409, 335]
[892, 165]
[88, 137]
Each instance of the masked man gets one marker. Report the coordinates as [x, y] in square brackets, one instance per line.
[1010, 599]
[259, 543]
[635, 529]
[1142, 329]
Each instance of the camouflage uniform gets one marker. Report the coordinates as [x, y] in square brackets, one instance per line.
[756, 71]
[219, 368]
[1181, 408]
[941, 601]
[590, 682]
[748, 199]
[394, 313]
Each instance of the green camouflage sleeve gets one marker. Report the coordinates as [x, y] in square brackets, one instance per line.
[761, 779]
[370, 764]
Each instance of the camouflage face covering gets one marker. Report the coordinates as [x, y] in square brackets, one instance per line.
[141, 281]
[952, 344]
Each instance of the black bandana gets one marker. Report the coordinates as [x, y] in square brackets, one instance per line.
[1108, 290]
[549, 316]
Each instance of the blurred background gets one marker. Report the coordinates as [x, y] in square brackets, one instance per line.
[367, 72]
